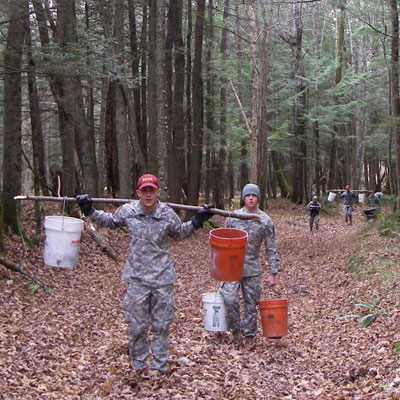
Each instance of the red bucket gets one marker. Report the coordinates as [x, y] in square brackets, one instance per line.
[228, 248]
[274, 317]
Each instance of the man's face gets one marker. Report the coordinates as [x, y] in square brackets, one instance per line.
[251, 201]
[148, 197]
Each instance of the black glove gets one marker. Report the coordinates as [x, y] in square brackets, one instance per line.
[85, 203]
[201, 216]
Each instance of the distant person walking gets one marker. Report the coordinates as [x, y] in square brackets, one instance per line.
[314, 207]
[348, 197]
[374, 206]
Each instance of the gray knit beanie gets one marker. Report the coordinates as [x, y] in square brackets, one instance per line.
[250, 188]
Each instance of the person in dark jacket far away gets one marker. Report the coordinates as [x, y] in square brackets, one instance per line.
[314, 207]
[149, 271]
[374, 206]
[348, 197]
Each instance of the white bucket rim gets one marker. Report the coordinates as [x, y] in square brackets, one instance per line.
[211, 295]
[62, 223]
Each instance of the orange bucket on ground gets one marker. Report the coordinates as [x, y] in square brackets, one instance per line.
[274, 317]
[228, 248]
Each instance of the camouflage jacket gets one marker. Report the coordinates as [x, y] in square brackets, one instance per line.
[149, 258]
[258, 232]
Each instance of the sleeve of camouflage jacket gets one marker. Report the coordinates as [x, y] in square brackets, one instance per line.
[270, 249]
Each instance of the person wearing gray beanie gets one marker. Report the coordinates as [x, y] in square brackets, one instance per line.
[253, 189]
[314, 208]
[258, 231]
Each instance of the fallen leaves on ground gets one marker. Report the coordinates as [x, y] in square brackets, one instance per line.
[73, 344]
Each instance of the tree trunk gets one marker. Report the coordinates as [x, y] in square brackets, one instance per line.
[175, 93]
[188, 94]
[280, 176]
[38, 153]
[332, 177]
[120, 111]
[243, 168]
[110, 141]
[136, 56]
[264, 48]
[299, 183]
[197, 92]
[152, 161]
[40, 179]
[254, 75]
[161, 104]
[144, 87]
[210, 107]
[220, 177]
[12, 119]
[395, 91]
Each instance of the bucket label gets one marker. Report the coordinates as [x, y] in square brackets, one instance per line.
[75, 242]
[215, 317]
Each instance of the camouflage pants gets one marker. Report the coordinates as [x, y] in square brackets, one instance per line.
[314, 219]
[251, 290]
[348, 211]
[144, 305]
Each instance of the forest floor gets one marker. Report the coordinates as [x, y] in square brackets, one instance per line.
[73, 344]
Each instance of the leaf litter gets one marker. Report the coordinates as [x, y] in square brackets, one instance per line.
[73, 344]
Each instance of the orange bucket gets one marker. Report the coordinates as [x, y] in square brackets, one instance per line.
[228, 248]
[274, 317]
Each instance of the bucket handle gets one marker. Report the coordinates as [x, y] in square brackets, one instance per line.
[63, 212]
[276, 292]
[63, 203]
[230, 224]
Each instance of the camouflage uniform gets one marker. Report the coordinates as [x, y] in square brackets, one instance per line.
[150, 275]
[250, 283]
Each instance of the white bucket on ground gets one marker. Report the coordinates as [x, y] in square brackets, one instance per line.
[214, 312]
[331, 196]
[361, 197]
[63, 237]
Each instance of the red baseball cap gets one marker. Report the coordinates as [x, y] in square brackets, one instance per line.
[147, 180]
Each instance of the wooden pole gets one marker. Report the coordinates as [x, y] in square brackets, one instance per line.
[217, 211]
[353, 190]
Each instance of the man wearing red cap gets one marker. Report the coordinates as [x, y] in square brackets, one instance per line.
[149, 271]
[348, 197]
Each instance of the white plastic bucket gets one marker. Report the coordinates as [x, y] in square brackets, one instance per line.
[331, 196]
[214, 312]
[63, 237]
[361, 197]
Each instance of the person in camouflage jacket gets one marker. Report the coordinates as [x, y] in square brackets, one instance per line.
[149, 271]
[259, 231]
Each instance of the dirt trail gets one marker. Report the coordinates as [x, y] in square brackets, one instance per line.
[73, 346]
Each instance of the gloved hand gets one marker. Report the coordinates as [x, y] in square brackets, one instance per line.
[201, 216]
[85, 203]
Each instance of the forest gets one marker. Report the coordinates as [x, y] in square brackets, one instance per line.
[300, 97]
